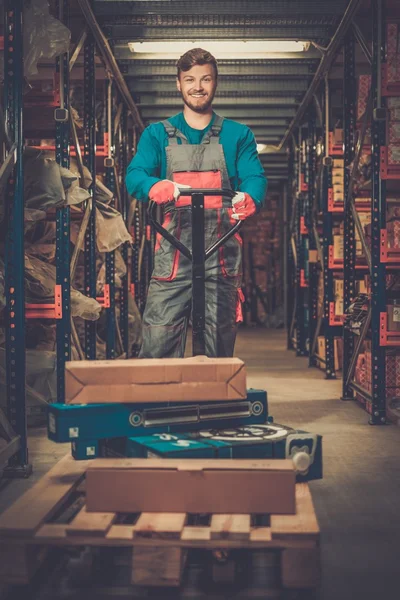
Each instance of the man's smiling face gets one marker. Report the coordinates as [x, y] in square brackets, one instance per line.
[197, 87]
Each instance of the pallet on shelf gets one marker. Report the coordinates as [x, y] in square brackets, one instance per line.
[53, 513]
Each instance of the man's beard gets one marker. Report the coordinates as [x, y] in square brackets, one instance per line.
[198, 108]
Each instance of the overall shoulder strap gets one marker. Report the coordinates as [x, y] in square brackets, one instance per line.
[212, 135]
[173, 134]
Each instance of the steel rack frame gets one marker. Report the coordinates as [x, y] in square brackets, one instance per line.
[109, 167]
[89, 158]
[63, 216]
[349, 261]
[18, 465]
[312, 242]
[124, 208]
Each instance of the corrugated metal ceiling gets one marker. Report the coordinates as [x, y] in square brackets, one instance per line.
[263, 93]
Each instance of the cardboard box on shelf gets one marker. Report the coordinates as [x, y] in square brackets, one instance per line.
[361, 287]
[338, 163]
[338, 136]
[339, 308]
[131, 485]
[392, 375]
[155, 380]
[394, 154]
[364, 85]
[321, 346]
[393, 104]
[394, 132]
[393, 322]
[393, 234]
[393, 53]
[338, 246]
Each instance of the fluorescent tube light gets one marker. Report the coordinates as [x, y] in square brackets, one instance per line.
[220, 48]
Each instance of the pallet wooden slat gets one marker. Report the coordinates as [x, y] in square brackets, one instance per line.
[121, 532]
[230, 527]
[160, 525]
[86, 523]
[196, 534]
[303, 524]
[26, 515]
[261, 534]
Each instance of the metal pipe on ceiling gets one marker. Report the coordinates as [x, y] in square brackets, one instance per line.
[324, 66]
[110, 62]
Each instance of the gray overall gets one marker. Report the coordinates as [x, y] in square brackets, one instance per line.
[168, 305]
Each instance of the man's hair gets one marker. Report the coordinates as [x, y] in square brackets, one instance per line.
[197, 56]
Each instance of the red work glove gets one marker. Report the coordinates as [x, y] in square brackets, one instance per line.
[165, 191]
[243, 206]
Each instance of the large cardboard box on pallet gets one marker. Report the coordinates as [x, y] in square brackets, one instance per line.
[215, 486]
[155, 380]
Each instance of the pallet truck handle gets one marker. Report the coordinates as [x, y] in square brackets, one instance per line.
[177, 243]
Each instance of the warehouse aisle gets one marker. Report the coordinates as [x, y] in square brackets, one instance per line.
[357, 502]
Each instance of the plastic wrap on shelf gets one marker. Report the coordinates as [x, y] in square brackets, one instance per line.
[47, 185]
[2, 287]
[40, 279]
[120, 271]
[44, 36]
[40, 335]
[111, 231]
[41, 241]
[41, 383]
[356, 314]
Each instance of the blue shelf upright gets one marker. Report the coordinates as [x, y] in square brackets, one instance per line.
[124, 292]
[63, 217]
[349, 263]
[18, 465]
[90, 162]
[110, 256]
[378, 270]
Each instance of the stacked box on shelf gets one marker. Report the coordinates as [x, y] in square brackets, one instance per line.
[338, 351]
[338, 286]
[338, 179]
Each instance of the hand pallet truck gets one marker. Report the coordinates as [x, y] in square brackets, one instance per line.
[198, 256]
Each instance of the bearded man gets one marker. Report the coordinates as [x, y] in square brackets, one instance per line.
[199, 149]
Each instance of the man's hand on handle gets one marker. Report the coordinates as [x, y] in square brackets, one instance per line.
[165, 191]
[243, 206]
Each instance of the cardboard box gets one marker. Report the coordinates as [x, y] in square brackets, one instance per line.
[393, 322]
[394, 154]
[338, 246]
[393, 104]
[191, 486]
[394, 132]
[338, 136]
[155, 380]
[364, 85]
[338, 163]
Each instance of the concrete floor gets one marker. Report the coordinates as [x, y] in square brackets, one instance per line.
[357, 502]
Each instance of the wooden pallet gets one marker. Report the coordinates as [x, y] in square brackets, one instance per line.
[53, 513]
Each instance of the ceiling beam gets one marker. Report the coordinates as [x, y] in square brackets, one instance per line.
[130, 33]
[225, 85]
[226, 68]
[303, 8]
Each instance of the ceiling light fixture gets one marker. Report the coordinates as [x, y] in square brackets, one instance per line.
[237, 49]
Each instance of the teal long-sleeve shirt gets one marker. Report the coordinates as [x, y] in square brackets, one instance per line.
[245, 171]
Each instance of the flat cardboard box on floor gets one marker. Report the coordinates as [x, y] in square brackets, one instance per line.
[191, 485]
[155, 380]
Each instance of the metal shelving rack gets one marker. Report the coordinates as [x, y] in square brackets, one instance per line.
[378, 259]
[14, 258]
[63, 216]
[16, 310]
